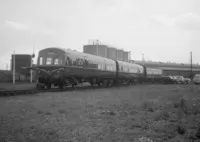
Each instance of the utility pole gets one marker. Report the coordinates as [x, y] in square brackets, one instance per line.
[191, 64]
[31, 71]
[14, 68]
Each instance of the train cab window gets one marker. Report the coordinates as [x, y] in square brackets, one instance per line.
[41, 61]
[49, 61]
[56, 61]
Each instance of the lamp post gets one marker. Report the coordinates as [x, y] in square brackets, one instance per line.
[14, 68]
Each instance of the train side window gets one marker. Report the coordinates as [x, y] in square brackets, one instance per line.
[49, 61]
[56, 61]
[61, 62]
[41, 61]
[99, 66]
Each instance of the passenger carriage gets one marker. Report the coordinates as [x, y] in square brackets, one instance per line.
[70, 67]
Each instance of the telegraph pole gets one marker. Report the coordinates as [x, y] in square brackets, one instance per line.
[143, 58]
[191, 64]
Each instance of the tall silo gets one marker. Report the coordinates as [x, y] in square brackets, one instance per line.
[119, 54]
[125, 56]
[111, 53]
[102, 50]
[96, 49]
[90, 49]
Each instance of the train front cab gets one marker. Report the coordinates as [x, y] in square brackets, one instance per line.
[50, 67]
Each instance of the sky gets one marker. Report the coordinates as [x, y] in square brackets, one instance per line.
[164, 30]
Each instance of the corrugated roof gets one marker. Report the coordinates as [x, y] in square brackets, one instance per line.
[165, 64]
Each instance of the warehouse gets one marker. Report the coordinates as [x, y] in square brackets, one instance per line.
[173, 69]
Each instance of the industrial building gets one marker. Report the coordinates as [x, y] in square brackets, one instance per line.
[21, 60]
[95, 48]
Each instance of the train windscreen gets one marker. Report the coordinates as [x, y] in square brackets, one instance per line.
[50, 61]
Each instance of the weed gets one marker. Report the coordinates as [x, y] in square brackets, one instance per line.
[62, 111]
[48, 113]
[148, 106]
[161, 115]
[198, 133]
[181, 130]
[40, 112]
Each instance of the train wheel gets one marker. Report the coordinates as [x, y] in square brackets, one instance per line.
[91, 83]
[74, 86]
[61, 86]
[99, 84]
[48, 86]
[40, 86]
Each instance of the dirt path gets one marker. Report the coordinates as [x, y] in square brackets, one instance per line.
[151, 112]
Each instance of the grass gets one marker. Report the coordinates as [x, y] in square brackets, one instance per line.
[134, 113]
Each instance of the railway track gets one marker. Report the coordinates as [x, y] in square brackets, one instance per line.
[14, 92]
[30, 91]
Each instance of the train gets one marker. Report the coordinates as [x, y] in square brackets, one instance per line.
[60, 67]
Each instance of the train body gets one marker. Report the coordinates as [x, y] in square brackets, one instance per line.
[62, 67]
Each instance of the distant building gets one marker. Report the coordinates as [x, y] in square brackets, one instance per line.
[22, 60]
[173, 69]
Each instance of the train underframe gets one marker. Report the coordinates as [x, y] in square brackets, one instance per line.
[60, 80]
[93, 81]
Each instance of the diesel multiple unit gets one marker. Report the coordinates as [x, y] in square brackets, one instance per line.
[62, 67]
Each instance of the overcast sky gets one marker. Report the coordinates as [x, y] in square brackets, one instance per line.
[164, 30]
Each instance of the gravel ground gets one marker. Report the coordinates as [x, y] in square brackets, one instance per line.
[141, 113]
